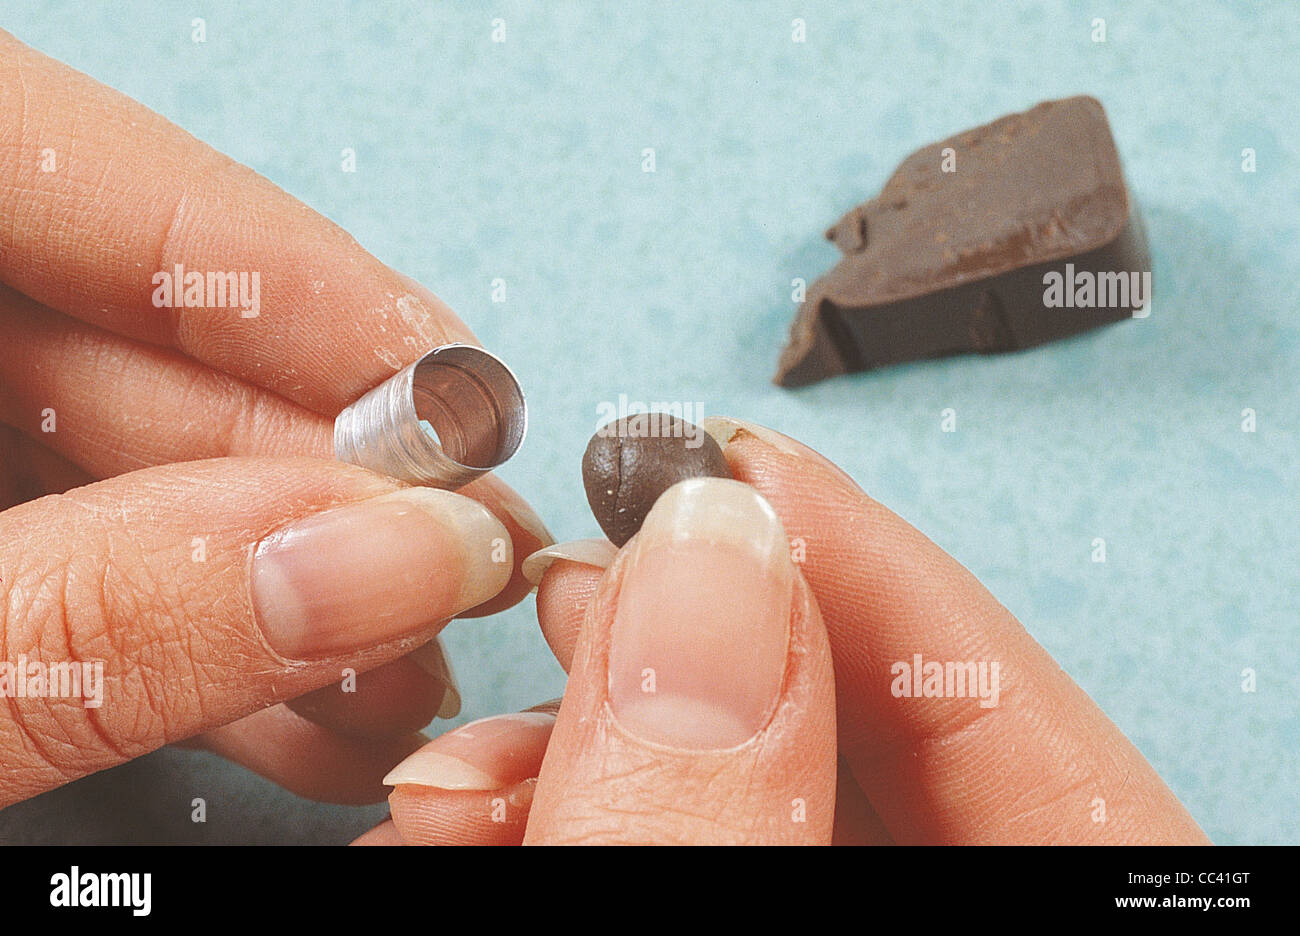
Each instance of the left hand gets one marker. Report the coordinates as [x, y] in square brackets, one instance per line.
[97, 195]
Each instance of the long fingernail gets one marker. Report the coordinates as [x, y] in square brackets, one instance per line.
[488, 754]
[726, 430]
[359, 575]
[700, 636]
[524, 515]
[593, 552]
[434, 660]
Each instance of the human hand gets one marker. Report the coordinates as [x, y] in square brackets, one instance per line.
[146, 563]
[778, 715]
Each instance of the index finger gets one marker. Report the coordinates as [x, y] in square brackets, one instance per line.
[942, 760]
[103, 203]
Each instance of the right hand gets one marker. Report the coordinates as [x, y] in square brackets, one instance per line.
[775, 720]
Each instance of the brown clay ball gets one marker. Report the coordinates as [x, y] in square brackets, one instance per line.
[630, 462]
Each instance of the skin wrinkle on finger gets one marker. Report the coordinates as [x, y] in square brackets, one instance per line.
[123, 406]
[30, 741]
[463, 817]
[935, 770]
[59, 732]
[166, 678]
[170, 318]
[894, 751]
[203, 335]
[56, 475]
[563, 596]
[950, 747]
[1031, 813]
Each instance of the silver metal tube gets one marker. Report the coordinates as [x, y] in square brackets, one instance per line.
[453, 415]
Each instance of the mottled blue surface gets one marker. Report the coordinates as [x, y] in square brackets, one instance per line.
[523, 160]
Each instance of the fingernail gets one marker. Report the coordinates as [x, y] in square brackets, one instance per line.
[593, 552]
[484, 755]
[702, 628]
[434, 660]
[526, 517]
[356, 576]
[726, 430]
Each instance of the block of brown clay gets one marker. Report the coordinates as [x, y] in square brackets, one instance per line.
[1009, 235]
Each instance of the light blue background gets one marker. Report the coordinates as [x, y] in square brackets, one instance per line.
[522, 161]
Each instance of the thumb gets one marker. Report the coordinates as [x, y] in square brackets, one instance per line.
[158, 604]
[700, 707]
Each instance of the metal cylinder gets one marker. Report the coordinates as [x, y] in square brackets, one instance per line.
[454, 414]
